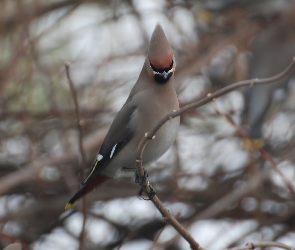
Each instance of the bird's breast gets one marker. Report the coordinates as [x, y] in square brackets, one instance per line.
[163, 140]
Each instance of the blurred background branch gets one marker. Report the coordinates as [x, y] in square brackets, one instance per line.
[216, 42]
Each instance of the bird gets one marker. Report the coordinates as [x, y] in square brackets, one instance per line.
[152, 97]
[272, 50]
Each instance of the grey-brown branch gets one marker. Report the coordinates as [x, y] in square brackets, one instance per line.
[149, 136]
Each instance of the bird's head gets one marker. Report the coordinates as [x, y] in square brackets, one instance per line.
[160, 55]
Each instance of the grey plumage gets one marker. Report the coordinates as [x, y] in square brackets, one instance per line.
[272, 51]
[152, 97]
[145, 117]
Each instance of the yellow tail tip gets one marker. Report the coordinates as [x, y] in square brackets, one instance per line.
[250, 144]
[70, 205]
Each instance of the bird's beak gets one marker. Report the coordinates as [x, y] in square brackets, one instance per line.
[164, 75]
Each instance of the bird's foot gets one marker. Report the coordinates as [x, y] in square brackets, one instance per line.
[152, 191]
[150, 195]
[143, 179]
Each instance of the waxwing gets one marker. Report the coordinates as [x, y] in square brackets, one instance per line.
[272, 51]
[152, 97]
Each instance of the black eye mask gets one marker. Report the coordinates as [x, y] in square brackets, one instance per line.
[162, 75]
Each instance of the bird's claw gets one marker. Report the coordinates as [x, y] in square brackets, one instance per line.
[150, 195]
[143, 179]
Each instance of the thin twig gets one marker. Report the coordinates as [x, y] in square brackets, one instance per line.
[155, 242]
[265, 155]
[149, 135]
[32, 170]
[31, 12]
[13, 239]
[235, 195]
[81, 149]
[253, 245]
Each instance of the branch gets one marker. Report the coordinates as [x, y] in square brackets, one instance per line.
[151, 135]
[32, 170]
[81, 149]
[31, 12]
[265, 155]
[236, 194]
[253, 245]
[13, 239]
[79, 121]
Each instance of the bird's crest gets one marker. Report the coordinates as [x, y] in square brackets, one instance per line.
[160, 53]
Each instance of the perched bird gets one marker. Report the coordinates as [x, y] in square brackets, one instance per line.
[151, 98]
[272, 51]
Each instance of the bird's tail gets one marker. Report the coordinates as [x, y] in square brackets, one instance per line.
[85, 188]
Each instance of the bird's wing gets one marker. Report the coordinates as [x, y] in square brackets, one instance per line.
[119, 134]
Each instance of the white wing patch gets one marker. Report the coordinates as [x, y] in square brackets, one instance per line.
[113, 150]
[99, 157]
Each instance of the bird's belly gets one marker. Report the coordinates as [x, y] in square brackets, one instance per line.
[153, 150]
[163, 140]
